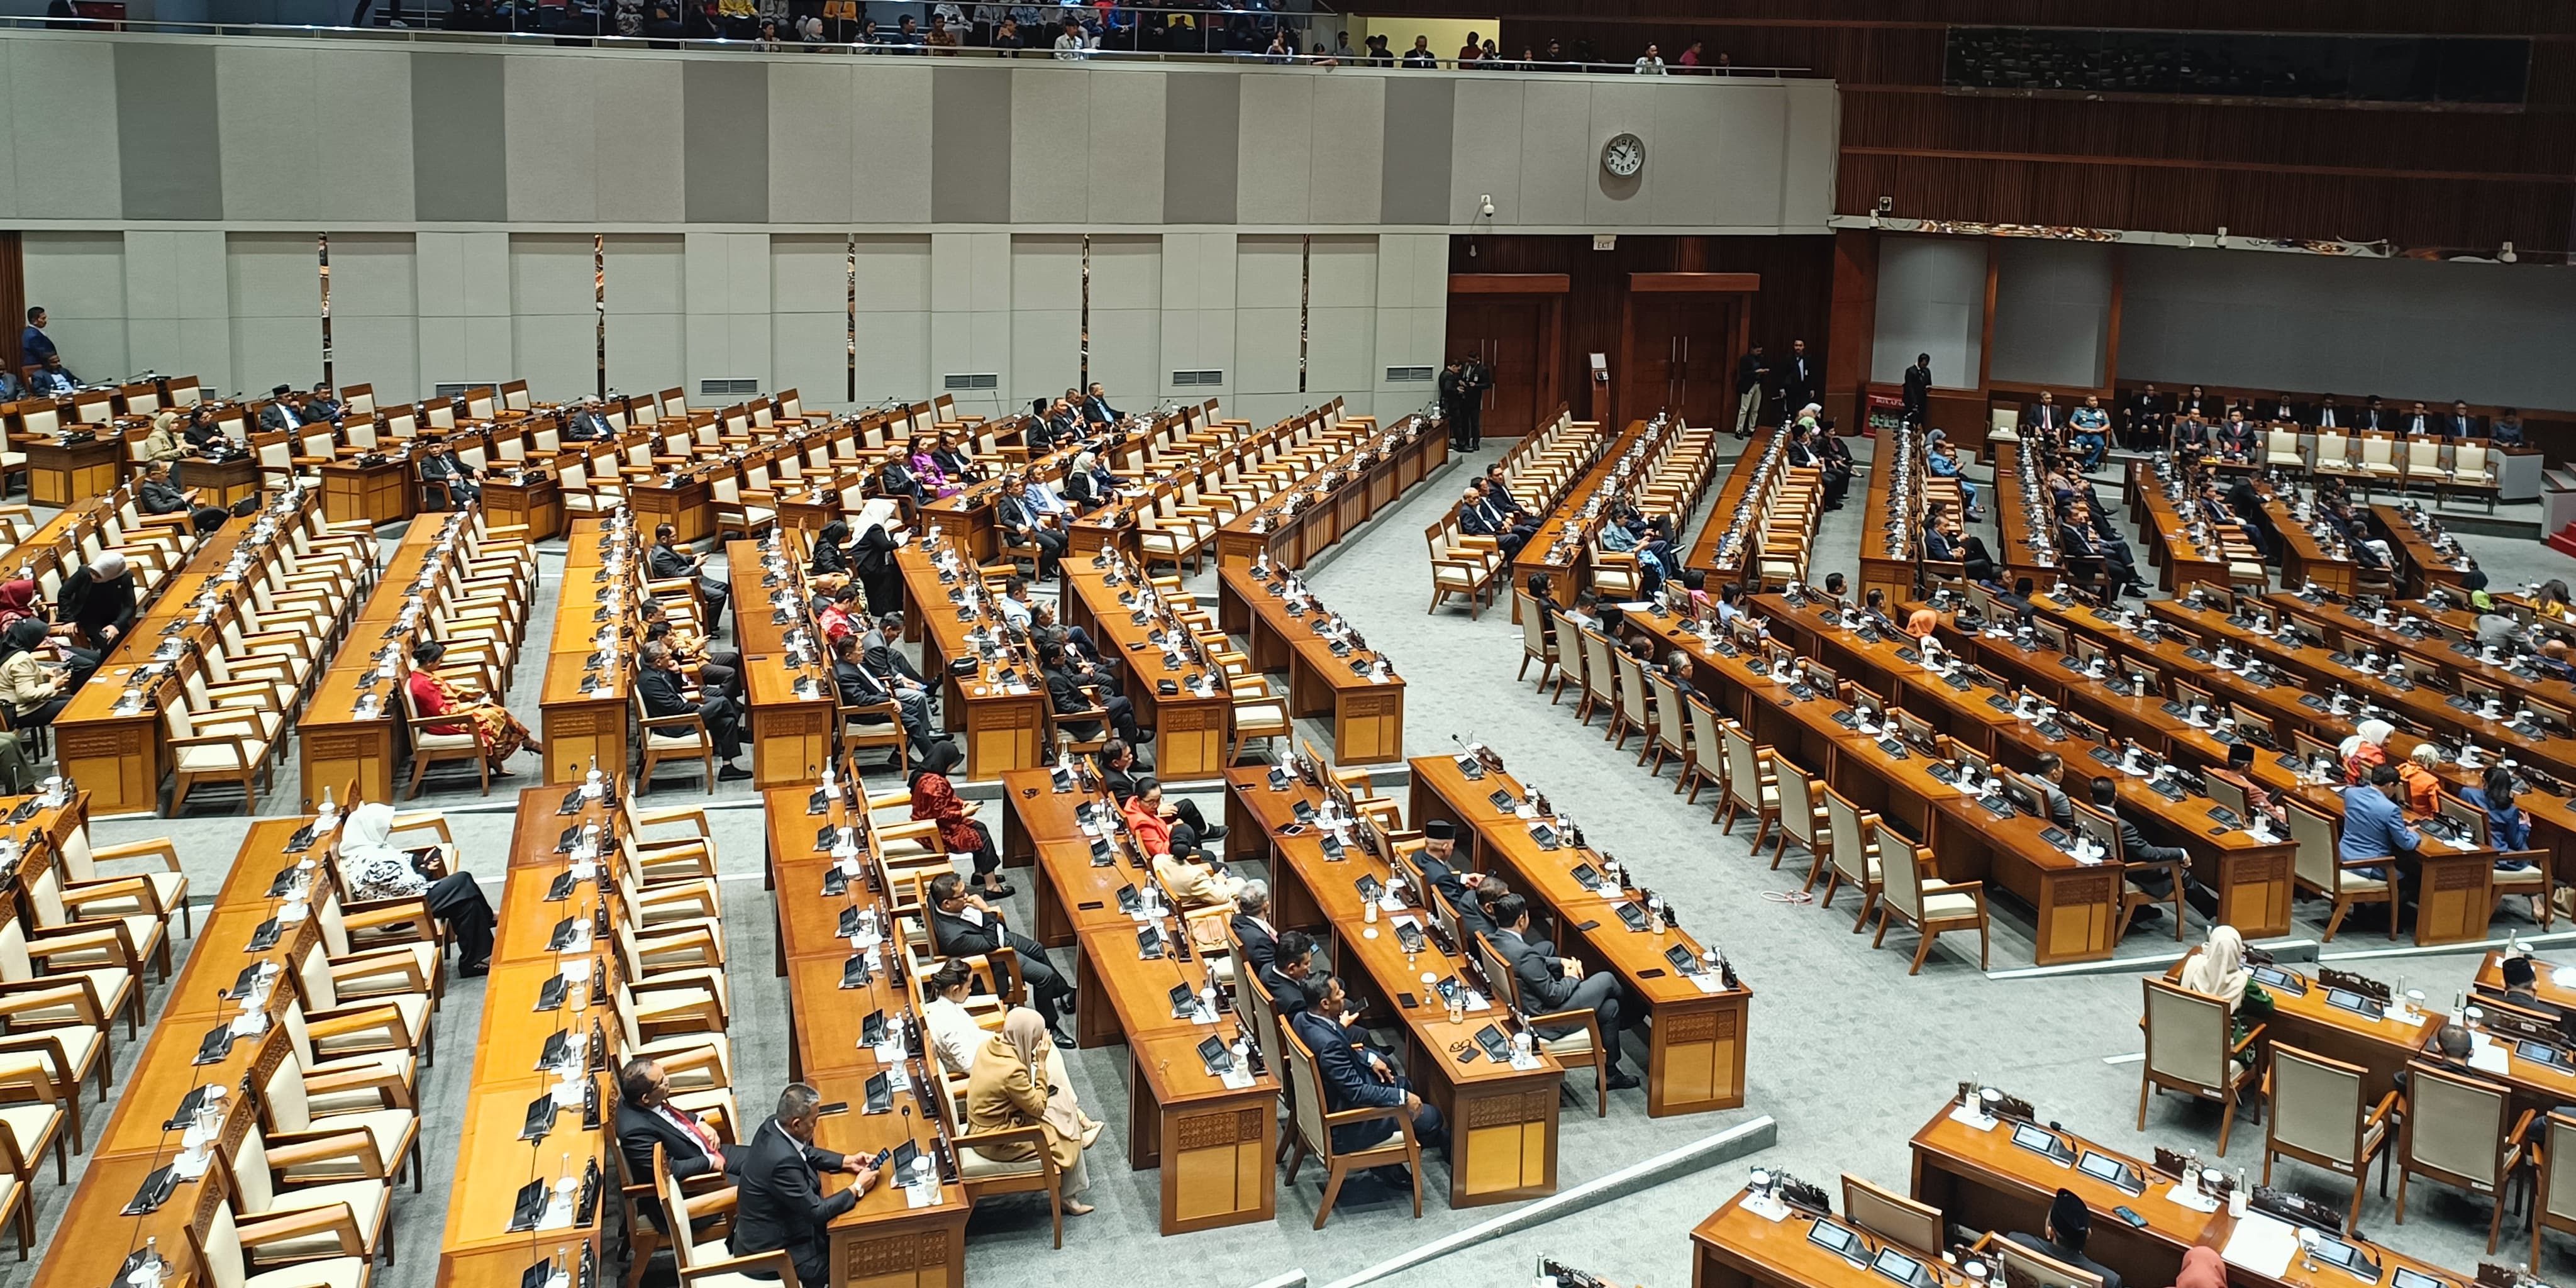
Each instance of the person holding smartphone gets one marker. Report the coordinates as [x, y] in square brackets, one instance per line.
[782, 1205]
[37, 688]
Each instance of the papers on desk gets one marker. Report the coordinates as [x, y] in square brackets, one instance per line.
[1709, 981]
[1962, 1116]
[1236, 1078]
[2460, 843]
[1638, 606]
[1379, 677]
[920, 1196]
[2261, 1244]
[1017, 688]
[1766, 1206]
[2486, 1055]
[2186, 1196]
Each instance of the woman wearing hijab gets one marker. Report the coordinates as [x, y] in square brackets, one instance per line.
[871, 555]
[503, 735]
[831, 550]
[164, 443]
[97, 602]
[2423, 786]
[2217, 969]
[18, 600]
[371, 867]
[934, 799]
[2367, 746]
[1003, 1091]
[36, 688]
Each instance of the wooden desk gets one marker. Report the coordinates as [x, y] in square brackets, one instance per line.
[584, 707]
[1697, 1043]
[1728, 550]
[1982, 1180]
[121, 755]
[527, 497]
[880, 1242]
[1399, 456]
[339, 745]
[2168, 537]
[2028, 530]
[1562, 546]
[1503, 1122]
[378, 494]
[60, 474]
[2305, 559]
[1367, 709]
[2424, 563]
[2302, 1017]
[687, 504]
[1737, 1247]
[1190, 725]
[793, 714]
[223, 482]
[1001, 707]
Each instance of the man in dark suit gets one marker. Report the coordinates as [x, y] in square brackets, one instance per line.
[2462, 423]
[1549, 983]
[1801, 381]
[158, 495]
[2077, 540]
[1752, 381]
[1918, 390]
[668, 562]
[1252, 929]
[1356, 1077]
[439, 465]
[1292, 960]
[2043, 419]
[1068, 687]
[2281, 410]
[1096, 409]
[1477, 518]
[962, 925]
[645, 1119]
[1464, 890]
[2062, 1238]
[2329, 416]
[858, 687]
[2145, 422]
[281, 413]
[2418, 421]
[1453, 401]
[665, 694]
[782, 1207]
[2136, 848]
[2374, 415]
[1023, 528]
[585, 424]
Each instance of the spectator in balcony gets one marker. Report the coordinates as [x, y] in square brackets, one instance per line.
[1342, 51]
[1280, 50]
[1555, 60]
[1072, 45]
[1006, 38]
[768, 42]
[867, 42]
[1471, 53]
[1420, 55]
[907, 36]
[1377, 55]
[943, 39]
[1651, 63]
[1689, 61]
[1722, 66]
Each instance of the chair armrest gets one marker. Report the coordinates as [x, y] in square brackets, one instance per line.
[89, 892]
[74, 993]
[2251, 1033]
[159, 847]
[317, 1147]
[332, 1219]
[775, 1261]
[2388, 1104]
[397, 1093]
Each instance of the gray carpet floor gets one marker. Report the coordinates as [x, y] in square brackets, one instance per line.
[1848, 1054]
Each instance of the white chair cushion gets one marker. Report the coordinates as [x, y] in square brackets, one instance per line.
[219, 759]
[675, 738]
[28, 1123]
[442, 741]
[975, 1164]
[1579, 1042]
[1942, 906]
[1264, 713]
[2352, 884]
[338, 1272]
[107, 981]
[366, 1200]
[78, 1042]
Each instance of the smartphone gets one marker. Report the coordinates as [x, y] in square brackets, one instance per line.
[836, 1107]
[2130, 1215]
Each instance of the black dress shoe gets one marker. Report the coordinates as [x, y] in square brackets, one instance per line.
[1214, 832]
[732, 774]
[1397, 1176]
[1622, 1080]
[1002, 891]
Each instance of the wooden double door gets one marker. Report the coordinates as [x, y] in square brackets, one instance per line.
[1515, 322]
[1679, 337]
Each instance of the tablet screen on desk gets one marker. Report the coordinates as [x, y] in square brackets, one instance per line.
[2353, 1002]
[2103, 1167]
[1900, 1267]
[2041, 1141]
[2275, 977]
[2406, 1278]
[1835, 1237]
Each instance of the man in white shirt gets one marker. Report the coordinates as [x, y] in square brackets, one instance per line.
[1652, 64]
[1072, 46]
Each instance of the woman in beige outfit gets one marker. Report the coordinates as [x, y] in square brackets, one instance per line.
[1003, 1093]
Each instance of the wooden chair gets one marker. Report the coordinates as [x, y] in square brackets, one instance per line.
[1460, 565]
[682, 736]
[31, 1122]
[2191, 1048]
[263, 1190]
[2024, 1268]
[1851, 854]
[1890, 1215]
[984, 1175]
[429, 748]
[874, 724]
[1930, 907]
[1671, 736]
[2319, 870]
[1314, 1131]
[1704, 756]
[2553, 1204]
[391, 1136]
[1801, 818]
[1258, 713]
[1631, 714]
[2318, 1118]
[1752, 784]
[1570, 665]
[700, 1232]
[2454, 1132]
[1582, 1045]
[1600, 676]
[223, 1243]
[1538, 643]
